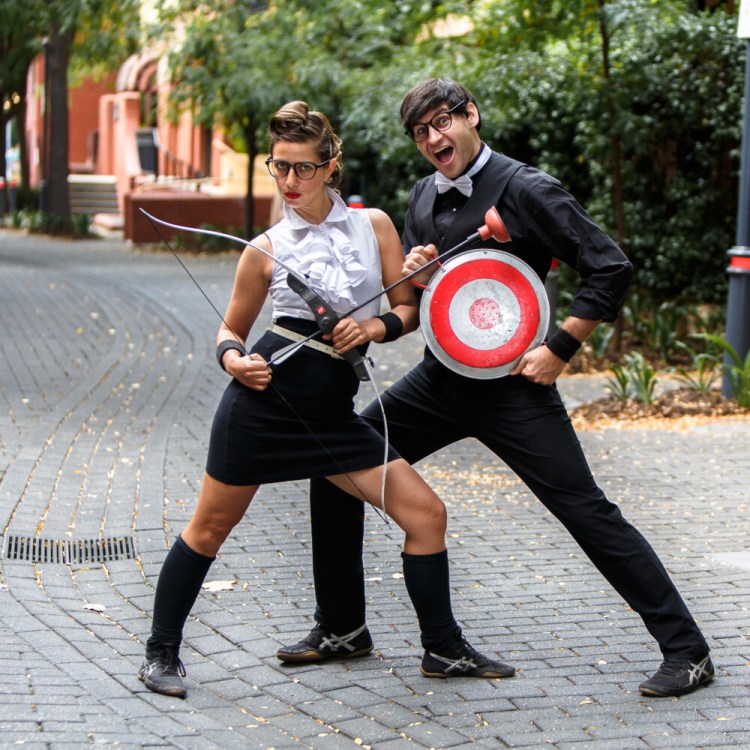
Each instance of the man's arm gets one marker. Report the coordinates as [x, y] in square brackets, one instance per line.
[557, 222]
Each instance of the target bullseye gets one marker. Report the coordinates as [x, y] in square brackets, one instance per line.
[484, 313]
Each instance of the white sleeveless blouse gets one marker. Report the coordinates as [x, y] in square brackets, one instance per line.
[339, 258]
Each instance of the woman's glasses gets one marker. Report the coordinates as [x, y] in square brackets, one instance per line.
[305, 170]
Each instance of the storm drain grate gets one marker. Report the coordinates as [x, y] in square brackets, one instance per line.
[68, 551]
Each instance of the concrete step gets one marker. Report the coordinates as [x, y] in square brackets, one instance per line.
[93, 194]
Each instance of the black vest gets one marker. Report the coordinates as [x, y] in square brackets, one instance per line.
[489, 185]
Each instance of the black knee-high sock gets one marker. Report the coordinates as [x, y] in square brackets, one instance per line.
[180, 581]
[338, 527]
[427, 580]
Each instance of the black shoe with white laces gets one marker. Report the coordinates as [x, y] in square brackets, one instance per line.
[163, 673]
[463, 660]
[320, 645]
[678, 677]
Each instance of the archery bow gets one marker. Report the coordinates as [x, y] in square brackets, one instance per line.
[325, 317]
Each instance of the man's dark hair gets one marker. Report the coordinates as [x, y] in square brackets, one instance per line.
[433, 93]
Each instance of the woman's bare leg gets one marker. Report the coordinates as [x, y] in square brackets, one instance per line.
[409, 501]
[220, 508]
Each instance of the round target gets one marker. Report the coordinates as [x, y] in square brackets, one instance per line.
[482, 311]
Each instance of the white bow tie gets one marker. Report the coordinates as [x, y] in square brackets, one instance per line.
[463, 184]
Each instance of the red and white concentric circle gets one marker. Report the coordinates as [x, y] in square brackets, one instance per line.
[482, 311]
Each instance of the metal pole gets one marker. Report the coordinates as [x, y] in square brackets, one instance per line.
[550, 285]
[738, 297]
[45, 130]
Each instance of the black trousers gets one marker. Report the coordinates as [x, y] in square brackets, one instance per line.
[527, 426]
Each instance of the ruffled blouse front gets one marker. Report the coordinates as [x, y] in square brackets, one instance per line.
[339, 258]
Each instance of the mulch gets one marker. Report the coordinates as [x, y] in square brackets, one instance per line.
[678, 404]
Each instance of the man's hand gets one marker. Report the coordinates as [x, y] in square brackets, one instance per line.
[416, 259]
[540, 366]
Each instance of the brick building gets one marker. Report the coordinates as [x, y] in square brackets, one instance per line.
[124, 153]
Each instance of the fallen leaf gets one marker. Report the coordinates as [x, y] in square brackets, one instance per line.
[219, 585]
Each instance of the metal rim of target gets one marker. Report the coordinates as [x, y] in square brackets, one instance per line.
[482, 311]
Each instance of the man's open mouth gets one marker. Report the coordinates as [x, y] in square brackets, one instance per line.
[444, 155]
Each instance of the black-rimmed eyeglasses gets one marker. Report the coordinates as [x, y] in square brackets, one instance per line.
[440, 123]
[305, 170]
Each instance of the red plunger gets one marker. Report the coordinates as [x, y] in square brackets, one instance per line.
[493, 227]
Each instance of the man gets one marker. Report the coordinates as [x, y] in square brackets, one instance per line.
[519, 417]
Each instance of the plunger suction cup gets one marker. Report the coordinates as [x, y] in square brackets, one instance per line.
[494, 227]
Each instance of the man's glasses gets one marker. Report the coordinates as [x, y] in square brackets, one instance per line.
[305, 170]
[440, 123]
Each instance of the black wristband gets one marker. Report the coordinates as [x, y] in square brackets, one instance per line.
[394, 326]
[224, 347]
[563, 345]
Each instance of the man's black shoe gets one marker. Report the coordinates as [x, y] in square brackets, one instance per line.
[678, 677]
[464, 661]
[163, 673]
[320, 645]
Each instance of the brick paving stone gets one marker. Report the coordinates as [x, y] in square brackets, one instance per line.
[400, 743]
[366, 730]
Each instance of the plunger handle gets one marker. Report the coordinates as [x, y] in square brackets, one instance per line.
[493, 227]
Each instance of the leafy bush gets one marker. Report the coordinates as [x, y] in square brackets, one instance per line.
[208, 243]
[654, 326]
[636, 379]
[601, 339]
[735, 368]
[703, 373]
[676, 87]
[618, 383]
[27, 199]
[81, 225]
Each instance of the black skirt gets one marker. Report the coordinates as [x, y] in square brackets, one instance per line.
[302, 426]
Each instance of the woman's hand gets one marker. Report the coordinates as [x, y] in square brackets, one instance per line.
[251, 370]
[347, 334]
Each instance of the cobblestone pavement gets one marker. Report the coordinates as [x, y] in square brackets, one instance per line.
[108, 387]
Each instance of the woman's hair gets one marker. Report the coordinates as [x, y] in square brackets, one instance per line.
[433, 93]
[295, 121]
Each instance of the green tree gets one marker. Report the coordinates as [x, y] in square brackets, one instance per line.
[83, 33]
[238, 63]
[232, 67]
[663, 123]
[633, 104]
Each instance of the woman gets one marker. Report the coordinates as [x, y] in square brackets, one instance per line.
[297, 420]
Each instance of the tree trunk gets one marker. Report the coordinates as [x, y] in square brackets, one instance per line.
[23, 144]
[60, 41]
[252, 151]
[3, 164]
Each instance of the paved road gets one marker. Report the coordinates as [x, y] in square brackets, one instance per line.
[108, 387]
